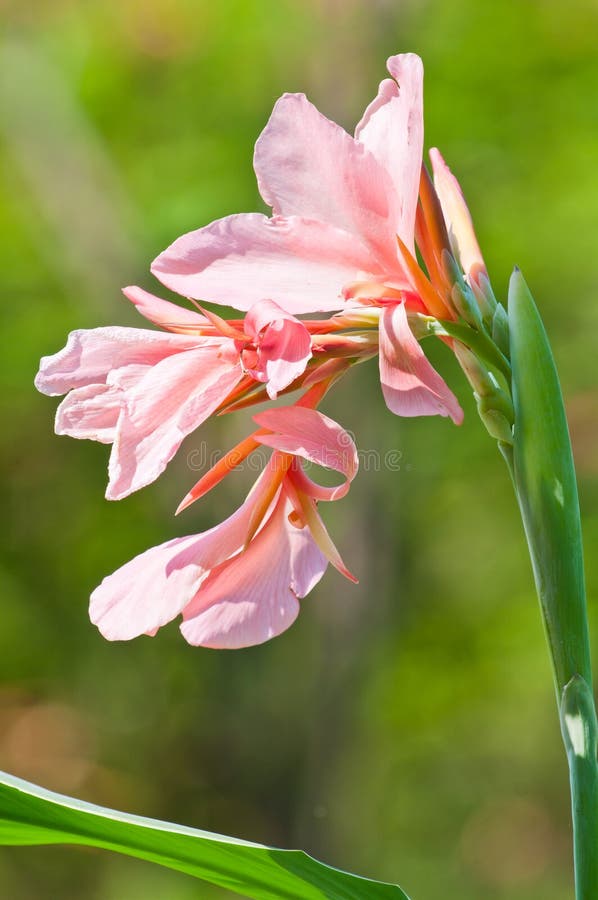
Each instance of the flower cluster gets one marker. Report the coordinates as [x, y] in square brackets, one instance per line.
[347, 216]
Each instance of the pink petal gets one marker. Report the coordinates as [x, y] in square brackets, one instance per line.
[263, 314]
[307, 508]
[284, 352]
[127, 377]
[168, 403]
[311, 435]
[410, 384]
[254, 596]
[155, 586]
[392, 129]
[308, 166]
[90, 412]
[243, 259]
[90, 354]
[283, 345]
[456, 216]
[163, 313]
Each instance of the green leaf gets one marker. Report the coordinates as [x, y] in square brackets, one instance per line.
[31, 815]
[544, 478]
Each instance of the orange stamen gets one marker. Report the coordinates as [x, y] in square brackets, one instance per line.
[225, 327]
[281, 463]
[432, 211]
[422, 285]
[221, 469]
[307, 510]
[424, 242]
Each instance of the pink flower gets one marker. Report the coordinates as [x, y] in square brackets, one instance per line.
[342, 229]
[279, 349]
[145, 391]
[240, 583]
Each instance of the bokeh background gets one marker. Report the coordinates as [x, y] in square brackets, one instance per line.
[405, 728]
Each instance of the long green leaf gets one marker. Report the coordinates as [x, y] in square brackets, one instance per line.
[31, 815]
[546, 488]
[544, 478]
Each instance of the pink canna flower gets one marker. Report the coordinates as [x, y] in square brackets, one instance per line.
[145, 391]
[240, 583]
[341, 232]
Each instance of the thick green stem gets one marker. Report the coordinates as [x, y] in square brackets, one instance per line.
[579, 727]
[544, 479]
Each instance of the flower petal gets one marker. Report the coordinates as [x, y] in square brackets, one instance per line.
[311, 435]
[246, 258]
[90, 354]
[254, 596]
[308, 166]
[168, 403]
[457, 217]
[154, 587]
[284, 352]
[90, 412]
[410, 384]
[392, 129]
[283, 345]
[164, 313]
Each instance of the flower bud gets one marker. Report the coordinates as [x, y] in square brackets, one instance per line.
[494, 404]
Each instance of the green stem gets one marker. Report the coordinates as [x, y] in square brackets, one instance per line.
[544, 479]
[579, 727]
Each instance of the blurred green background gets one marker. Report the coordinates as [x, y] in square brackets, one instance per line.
[405, 728]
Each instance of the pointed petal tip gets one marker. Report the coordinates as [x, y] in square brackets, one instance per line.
[350, 576]
[187, 500]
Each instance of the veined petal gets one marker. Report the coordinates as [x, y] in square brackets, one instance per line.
[457, 217]
[90, 354]
[162, 312]
[308, 166]
[90, 412]
[155, 586]
[168, 403]
[243, 259]
[392, 129]
[254, 596]
[311, 435]
[410, 384]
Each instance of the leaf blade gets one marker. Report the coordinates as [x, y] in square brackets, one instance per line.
[30, 815]
[546, 487]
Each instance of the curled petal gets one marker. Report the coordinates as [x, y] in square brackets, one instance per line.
[311, 435]
[254, 596]
[283, 346]
[392, 129]
[90, 412]
[242, 259]
[410, 384]
[262, 314]
[316, 491]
